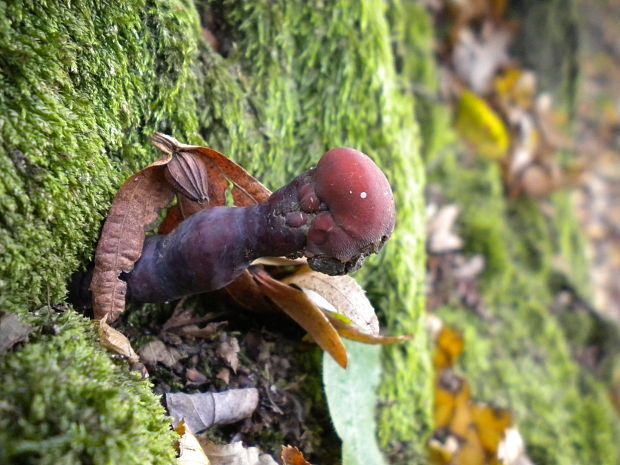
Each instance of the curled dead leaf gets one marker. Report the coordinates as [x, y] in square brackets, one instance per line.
[135, 207]
[303, 311]
[339, 294]
[115, 341]
[203, 410]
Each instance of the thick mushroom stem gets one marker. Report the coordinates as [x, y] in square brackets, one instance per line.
[210, 249]
[335, 214]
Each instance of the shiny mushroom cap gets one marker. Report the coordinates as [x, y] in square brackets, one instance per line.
[357, 214]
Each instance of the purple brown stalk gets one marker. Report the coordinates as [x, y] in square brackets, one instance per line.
[335, 214]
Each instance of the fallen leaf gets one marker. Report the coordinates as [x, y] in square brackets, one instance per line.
[305, 313]
[229, 350]
[220, 174]
[339, 294]
[481, 127]
[135, 207]
[195, 377]
[190, 450]
[201, 411]
[115, 341]
[352, 401]
[440, 235]
[224, 375]
[235, 454]
[292, 456]
[351, 331]
[247, 292]
[516, 87]
[451, 392]
[511, 450]
[449, 346]
[344, 303]
[492, 424]
[467, 432]
[202, 333]
[12, 331]
[157, 351]
[478, 57]
[280, 261]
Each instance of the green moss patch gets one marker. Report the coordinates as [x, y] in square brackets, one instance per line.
[63, 401]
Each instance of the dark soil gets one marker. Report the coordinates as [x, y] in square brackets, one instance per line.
[217, 346]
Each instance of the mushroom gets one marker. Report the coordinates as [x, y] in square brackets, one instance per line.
[359, 215]
[335, 214]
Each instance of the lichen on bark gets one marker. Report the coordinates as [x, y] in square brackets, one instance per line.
[83, 86]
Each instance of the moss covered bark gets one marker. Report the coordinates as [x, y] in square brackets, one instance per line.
[81, 88]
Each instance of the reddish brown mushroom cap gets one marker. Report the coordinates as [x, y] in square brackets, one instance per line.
[360, 212]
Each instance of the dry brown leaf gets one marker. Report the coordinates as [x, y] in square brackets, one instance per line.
[338, 294]
[217, 174]
[292, 456]
[235, 454]
[12, 331]
[441, 237]
[115, 341]
[203, 410]
[247, 293]
[195, 377]
[202, 333]
[135, 207]
[229, 351]
[157, 351]
[190, 450]
[305, 313]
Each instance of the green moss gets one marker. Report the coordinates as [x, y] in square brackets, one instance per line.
[63, 401]
[80, 88]
[324, 76]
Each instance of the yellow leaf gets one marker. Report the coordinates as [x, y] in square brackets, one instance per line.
[481, 127]
[516, 87]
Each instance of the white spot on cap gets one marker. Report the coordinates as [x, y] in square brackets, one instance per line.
[363, 195]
